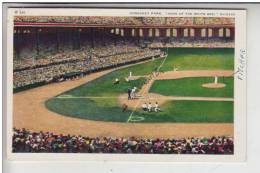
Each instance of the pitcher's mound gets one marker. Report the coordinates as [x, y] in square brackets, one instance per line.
[214, 85]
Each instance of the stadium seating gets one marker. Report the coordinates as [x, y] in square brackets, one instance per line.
[29, 71]
[46, 142]
[47, 55]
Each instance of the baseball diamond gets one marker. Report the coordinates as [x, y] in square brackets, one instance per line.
[102, 100]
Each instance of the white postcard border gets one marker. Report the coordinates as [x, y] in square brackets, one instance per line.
[239, 86]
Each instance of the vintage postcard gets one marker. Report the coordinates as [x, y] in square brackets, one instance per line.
[126, 84]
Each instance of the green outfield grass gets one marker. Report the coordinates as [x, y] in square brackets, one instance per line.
[199, 59]
[191, 111]
[92, 109]
[108, 109]
[193, 87]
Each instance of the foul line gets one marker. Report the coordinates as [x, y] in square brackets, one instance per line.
[129, 118]
[162, 63]
[81, 97]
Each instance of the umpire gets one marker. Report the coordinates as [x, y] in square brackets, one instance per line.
[129, 93]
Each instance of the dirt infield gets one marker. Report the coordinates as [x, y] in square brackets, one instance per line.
[214, 85]
[30, 112]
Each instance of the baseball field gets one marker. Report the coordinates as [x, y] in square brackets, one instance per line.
[178, 88]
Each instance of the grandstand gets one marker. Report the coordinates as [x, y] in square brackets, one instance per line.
[51, 47]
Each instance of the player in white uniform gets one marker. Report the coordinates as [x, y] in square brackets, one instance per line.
[149, 107]
[144, 106]
[156, 107]
[133, 92]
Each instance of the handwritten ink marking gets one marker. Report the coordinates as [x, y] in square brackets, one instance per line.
[241, 69]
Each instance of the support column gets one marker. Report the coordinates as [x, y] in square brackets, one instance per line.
[126, 32]
[153, 32]
[115, 37]
[79, 37]
[92, 37]
[137, 34]
[179, 32]
[57, 40]
[103, 36]
[37, 41]
[17, 43]
[162, 32]
[215, 32]
[197, 33]
[145, 32]
[188, 34]
[75, 39]
[122, 31]
[71, 32]
[224, 33]
[232, 33]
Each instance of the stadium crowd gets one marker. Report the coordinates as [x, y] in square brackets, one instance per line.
[97, 20]
[105, 20]
[104, 51]
[72, 55]
[46, 142]
[80, 62]
[189, 42]
[180, 21]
